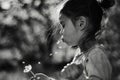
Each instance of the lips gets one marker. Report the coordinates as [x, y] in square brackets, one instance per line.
[75, 47]
[64, 40]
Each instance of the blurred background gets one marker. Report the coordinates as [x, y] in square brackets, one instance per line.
[30, 33]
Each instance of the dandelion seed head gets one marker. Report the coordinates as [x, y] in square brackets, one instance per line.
[27, 68]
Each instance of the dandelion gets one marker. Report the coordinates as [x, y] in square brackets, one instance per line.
[27, 68]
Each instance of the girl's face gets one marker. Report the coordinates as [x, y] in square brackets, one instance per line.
[71, 33]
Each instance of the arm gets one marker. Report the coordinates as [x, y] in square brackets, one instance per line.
[98, 66]
[70, 72]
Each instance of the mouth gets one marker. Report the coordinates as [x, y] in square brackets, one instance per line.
[65, 41]
[74, 47]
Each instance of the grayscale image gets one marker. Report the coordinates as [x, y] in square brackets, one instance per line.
[59, 39]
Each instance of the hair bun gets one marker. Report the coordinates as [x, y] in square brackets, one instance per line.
[106, 4]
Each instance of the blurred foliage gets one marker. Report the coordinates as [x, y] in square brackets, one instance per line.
[111, 38]
[29, 31]
[26, 28]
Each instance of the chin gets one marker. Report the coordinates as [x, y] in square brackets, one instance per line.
[71, 44]
[68, 43]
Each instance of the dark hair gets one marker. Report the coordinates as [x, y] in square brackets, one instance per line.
[89, 8]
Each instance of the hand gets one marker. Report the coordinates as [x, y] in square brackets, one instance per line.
[40, 76]
[72, 71]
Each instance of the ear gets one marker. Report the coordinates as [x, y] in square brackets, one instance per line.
[81, 22]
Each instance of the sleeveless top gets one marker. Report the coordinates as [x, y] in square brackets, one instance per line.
[95, 62]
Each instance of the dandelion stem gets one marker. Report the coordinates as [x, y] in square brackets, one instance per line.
[32, 73]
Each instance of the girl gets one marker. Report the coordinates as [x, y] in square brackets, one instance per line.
[81, 20]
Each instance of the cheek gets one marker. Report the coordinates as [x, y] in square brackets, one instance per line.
[71, 35]
[69, 30]
[68, 33]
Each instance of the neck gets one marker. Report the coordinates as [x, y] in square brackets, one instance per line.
[86, 44]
